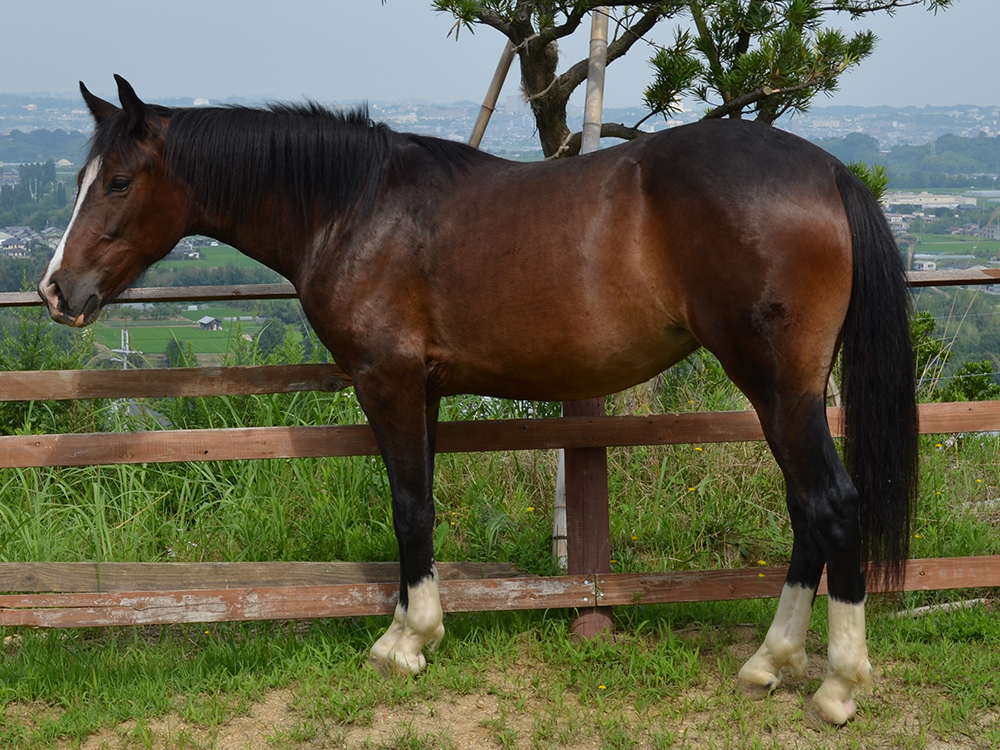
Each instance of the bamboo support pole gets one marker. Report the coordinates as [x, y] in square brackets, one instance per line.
[492, 94]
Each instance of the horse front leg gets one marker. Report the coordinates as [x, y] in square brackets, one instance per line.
[405, 429]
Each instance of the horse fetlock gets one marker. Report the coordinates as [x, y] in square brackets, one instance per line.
[760, 675]
[436, 637]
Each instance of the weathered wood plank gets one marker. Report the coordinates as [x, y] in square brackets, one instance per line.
[766, 582]
[690, 586]
[220, 605]
[91, 577]
[279, 290]
[957, 277]
[503, 594]
[356, 440]
[969, 416]
[937, 574]
[282, 603]
[185, 445]
[31, 385]
[352, 600]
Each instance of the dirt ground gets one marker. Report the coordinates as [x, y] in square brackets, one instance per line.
[483, 720]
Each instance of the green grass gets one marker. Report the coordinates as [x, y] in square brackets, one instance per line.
[507, 680]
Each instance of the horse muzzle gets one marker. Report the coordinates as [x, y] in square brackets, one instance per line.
[79, 308]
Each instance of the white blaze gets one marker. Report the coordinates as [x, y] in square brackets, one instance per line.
[90, 173]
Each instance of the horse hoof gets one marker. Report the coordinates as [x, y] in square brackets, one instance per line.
[755, 691]
[832, 712]
[397, 664]
[380, 665]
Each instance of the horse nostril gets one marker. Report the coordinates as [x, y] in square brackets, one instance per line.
[52, 295]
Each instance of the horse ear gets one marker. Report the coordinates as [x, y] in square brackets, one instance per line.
[133, 106]
[100, 109]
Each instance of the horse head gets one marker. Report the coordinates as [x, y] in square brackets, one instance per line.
[128, 214]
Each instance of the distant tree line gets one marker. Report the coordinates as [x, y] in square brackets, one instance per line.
[951, 161]
[38, 201]
[39, 145]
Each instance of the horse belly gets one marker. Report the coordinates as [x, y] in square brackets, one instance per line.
[577, 357]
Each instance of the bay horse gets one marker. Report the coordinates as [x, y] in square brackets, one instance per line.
[429, 269]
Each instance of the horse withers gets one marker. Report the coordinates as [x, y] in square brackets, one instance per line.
[429, 269]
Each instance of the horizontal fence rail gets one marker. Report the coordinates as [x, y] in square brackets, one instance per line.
[239, 443]
[285, 290]
[90, 594]
[463, 589]
[61, 385]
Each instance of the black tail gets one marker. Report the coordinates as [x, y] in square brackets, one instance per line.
[879, 388]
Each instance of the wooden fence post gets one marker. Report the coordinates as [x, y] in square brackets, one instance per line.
[588, 530]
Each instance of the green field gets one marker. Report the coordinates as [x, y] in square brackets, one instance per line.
[152, 340]
[211, 257]
[958, 245]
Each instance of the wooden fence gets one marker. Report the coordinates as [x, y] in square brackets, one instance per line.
[89, 594]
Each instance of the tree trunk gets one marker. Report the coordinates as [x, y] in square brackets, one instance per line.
[547, 99]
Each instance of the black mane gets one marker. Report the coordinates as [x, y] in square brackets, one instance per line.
[322, 162]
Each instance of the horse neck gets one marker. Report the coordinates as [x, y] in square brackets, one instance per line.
[270, 238]
[262, 208]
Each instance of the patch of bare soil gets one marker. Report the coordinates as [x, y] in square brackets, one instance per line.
[267, 719]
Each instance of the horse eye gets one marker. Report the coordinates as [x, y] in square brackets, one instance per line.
[120, 184]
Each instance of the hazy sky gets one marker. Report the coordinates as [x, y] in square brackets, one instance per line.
[342, 50]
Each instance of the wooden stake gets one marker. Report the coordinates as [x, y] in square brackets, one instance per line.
[492, 94]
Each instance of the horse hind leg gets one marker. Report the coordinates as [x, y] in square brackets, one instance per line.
[823, 505]
[783, 652]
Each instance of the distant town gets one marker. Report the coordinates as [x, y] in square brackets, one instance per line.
[511, 131]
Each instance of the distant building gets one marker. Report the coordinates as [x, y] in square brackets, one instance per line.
[898, 223]
[14, 248]
[183, 251]
[209, 323]
[992, 232]
[928, 200]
